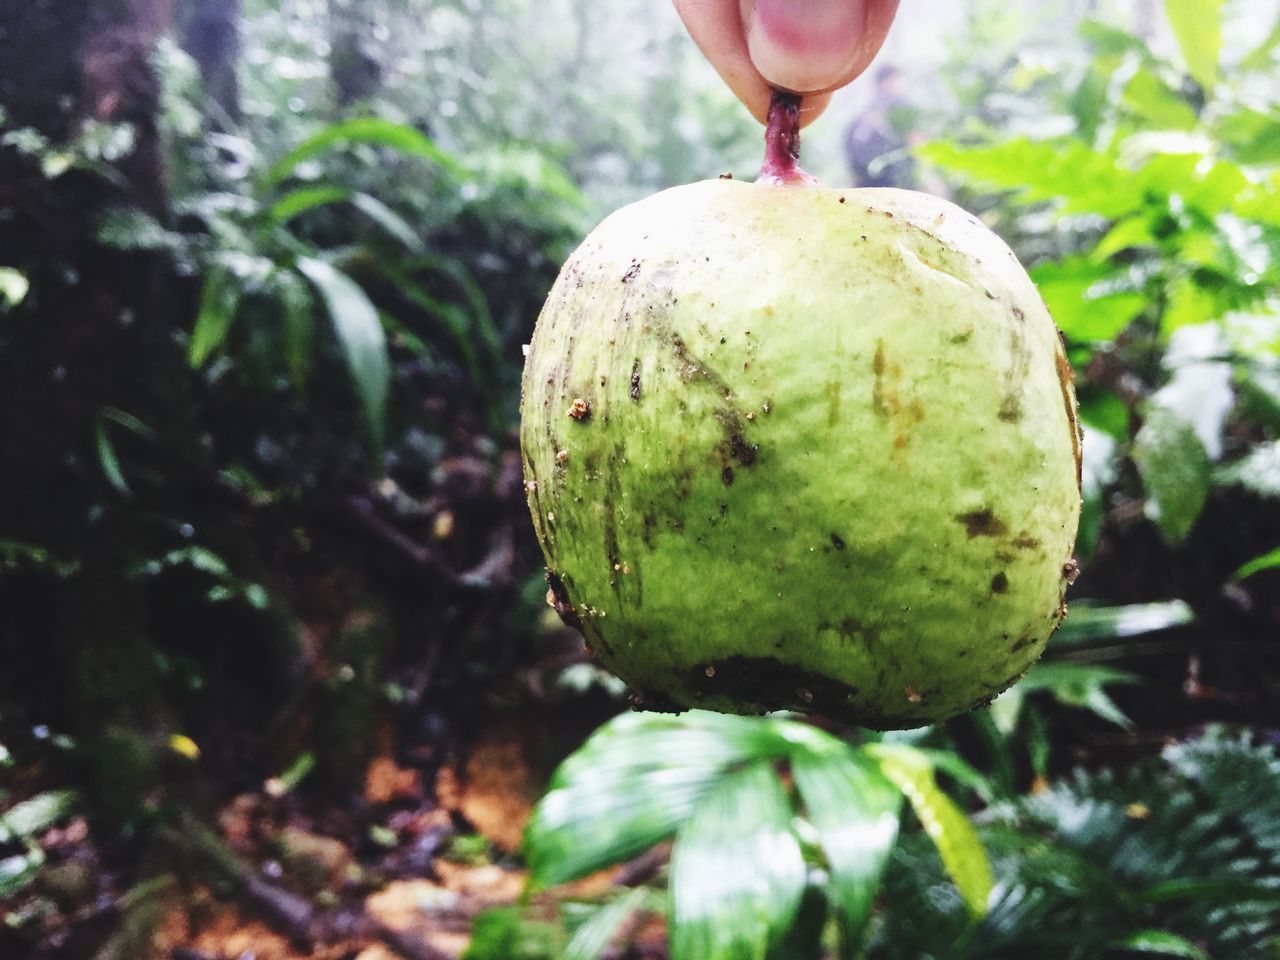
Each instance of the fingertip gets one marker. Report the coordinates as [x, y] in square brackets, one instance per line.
[807, 46]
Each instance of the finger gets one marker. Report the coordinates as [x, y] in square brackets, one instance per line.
[807, 46]
[716, 27]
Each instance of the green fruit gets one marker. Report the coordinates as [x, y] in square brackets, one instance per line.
[801, 448]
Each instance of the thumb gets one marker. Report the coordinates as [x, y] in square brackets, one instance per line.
[807, 46]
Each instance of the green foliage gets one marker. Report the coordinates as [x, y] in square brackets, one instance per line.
[738, 874]
[20, 826]
[1084, 867]
[1149, 220]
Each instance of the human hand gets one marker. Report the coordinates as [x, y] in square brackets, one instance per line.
[810, 47]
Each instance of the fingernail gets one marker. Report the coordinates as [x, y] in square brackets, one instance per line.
[804, 45]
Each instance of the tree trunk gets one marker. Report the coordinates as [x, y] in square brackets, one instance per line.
[211, 35]
[353, 66]
[86, 338]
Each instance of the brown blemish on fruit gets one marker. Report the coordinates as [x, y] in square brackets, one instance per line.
[877, 389]
[1071, 570]
[1020, 357]
[837, 541]
[999, 583]
[912, 694]
[982, 523]
[1066, 377]
[1025, 541]
[1021, 644]
[558, 600]
[632, 271]
[580, 409]
[635, 379]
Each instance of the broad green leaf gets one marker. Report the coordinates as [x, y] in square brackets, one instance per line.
[1082, 179]
[737, 873]
[1161, 108]
[1258, 471]
[1188, 304]
[1175, 471]
[1268, 561]
[13, 287]
[946, 825]
[371, 130]
[1079, 295]
[632, 784]
[855, 811]
[1163, 943]
[303, 199]
[34, 816]
[360, 333]
[1109, 39]
[1127, 232]
[218, 300]
[593, 937]
[1199, 394]
[1197, 24]
[1253, 135]
[390, 221]
[1105, 413]
[503, 933]
[1086, 622]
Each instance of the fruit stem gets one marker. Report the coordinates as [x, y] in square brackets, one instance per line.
[782, 143]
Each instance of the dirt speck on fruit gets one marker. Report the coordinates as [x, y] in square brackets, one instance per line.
[999, 583]
[635, 379]
[1071, 570]
[982, 523]
[580, 409]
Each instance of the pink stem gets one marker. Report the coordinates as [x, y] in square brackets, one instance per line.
[782, 143]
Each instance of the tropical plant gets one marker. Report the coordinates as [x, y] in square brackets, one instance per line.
[762, 864]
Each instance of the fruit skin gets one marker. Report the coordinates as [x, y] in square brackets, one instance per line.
[802, 448]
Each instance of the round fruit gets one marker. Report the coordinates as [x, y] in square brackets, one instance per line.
[798, 448]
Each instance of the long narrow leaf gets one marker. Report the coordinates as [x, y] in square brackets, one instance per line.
[632, 784]
[737, 873]
[296, 306]
[218, 302]
[360, 333]
[1087, 623]
[1162, 943]
[373, 130]
[1268, 561]
[855, 811]
[303, 199]
[944, 822]
[593, 937]
[390, 221]
[108, 460]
